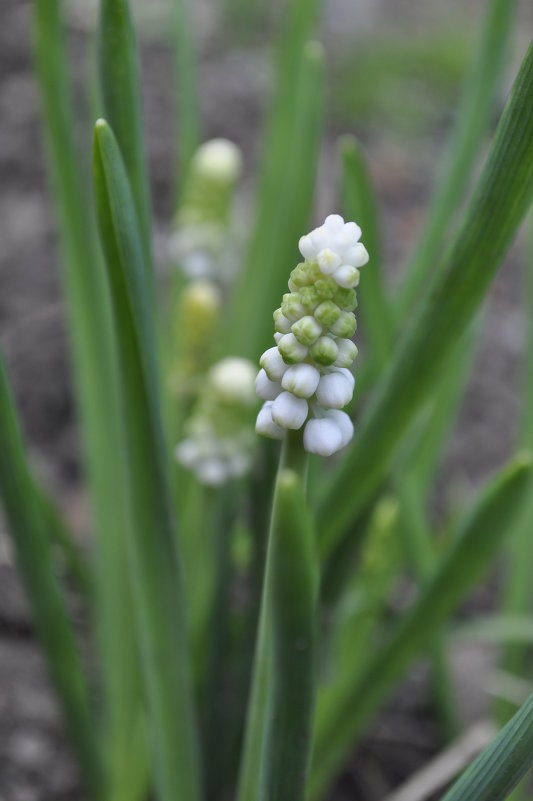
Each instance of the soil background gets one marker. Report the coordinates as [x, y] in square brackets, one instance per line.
[403, 153]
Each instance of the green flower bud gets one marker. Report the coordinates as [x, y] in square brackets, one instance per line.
[324, 351]
[291, 350]
[309, 297]
[327, 313]
[291, 306]
[299, 275]
[346, 298]
[281, 323]
[327, 288]
[306, 330]
[345, 326]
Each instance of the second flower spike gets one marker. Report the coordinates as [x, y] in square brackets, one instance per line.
[305, 379]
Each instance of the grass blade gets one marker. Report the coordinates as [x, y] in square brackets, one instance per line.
[92, 345]
[35, 561]
[472, 551]
[121, 97]
[500, 201]
[155, 573]
[188, 113]
[473, 119]
[294, 606]
[284, 204]
[499, 768]
[360, 204]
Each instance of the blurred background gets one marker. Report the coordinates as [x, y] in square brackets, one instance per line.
[395, 69]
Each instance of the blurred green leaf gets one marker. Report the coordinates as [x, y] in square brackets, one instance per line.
[501, 765]
[93, 349]
[121, 97]
[35, 561]
[153, 560]
[478, 538]
[473, 120]
[500, 201]
[285, 199]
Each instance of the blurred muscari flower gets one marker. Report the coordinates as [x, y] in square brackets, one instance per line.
[306, 378]
[219, 436]
[202, 245]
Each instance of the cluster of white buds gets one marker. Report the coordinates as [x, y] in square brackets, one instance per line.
[305, 378]
[202, 245]
[219, 436]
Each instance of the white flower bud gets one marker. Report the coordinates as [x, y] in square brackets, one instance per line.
[357, 256]
[212, 472]
[322, 436]
[277, 337]
[187, 453]
[272, 363]
[347, 353]
[281, 323]
[344, 423]
[347, 276]
[265, 425]
[328, 261]
[289, 411]
[265, 388]
[233, 380]
[301, 379]
[334, 391]
[219, 159]
[291, 350]
[307, 249]
[334, 222]
[348, 373]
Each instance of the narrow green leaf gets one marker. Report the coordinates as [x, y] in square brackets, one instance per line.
[153, 563]
[499, 768]
[87, 301]
[254, 772]
[500, 201]
[473, 120]
[186, 79]
[35, 561]
[294, 606]
[478, 538]
[360, 204]
[284, 203]
[497, 629]
[121, 97]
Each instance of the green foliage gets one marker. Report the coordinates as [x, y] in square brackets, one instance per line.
[175, 613]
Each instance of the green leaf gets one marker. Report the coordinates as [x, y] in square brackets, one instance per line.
[473, 120]
[501, 765]
[255, 768]
[293, 595]
[284, 203]
[35, 561]
[186, 77]
[360, 204]
[473, 548]
[121, 96]
[93, 347]
[500, 201]
[153, 560]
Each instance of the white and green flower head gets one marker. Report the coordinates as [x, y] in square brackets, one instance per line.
[219, 435]
[202, 244]
[305, 379]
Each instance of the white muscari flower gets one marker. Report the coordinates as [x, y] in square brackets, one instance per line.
[312, 383]
[265, 425]
[301, 379]
[219, 439]
[322, 436]
[272, 363]
[265, 388]
[288, 411]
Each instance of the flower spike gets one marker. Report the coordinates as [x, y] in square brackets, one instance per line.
[305, 378]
